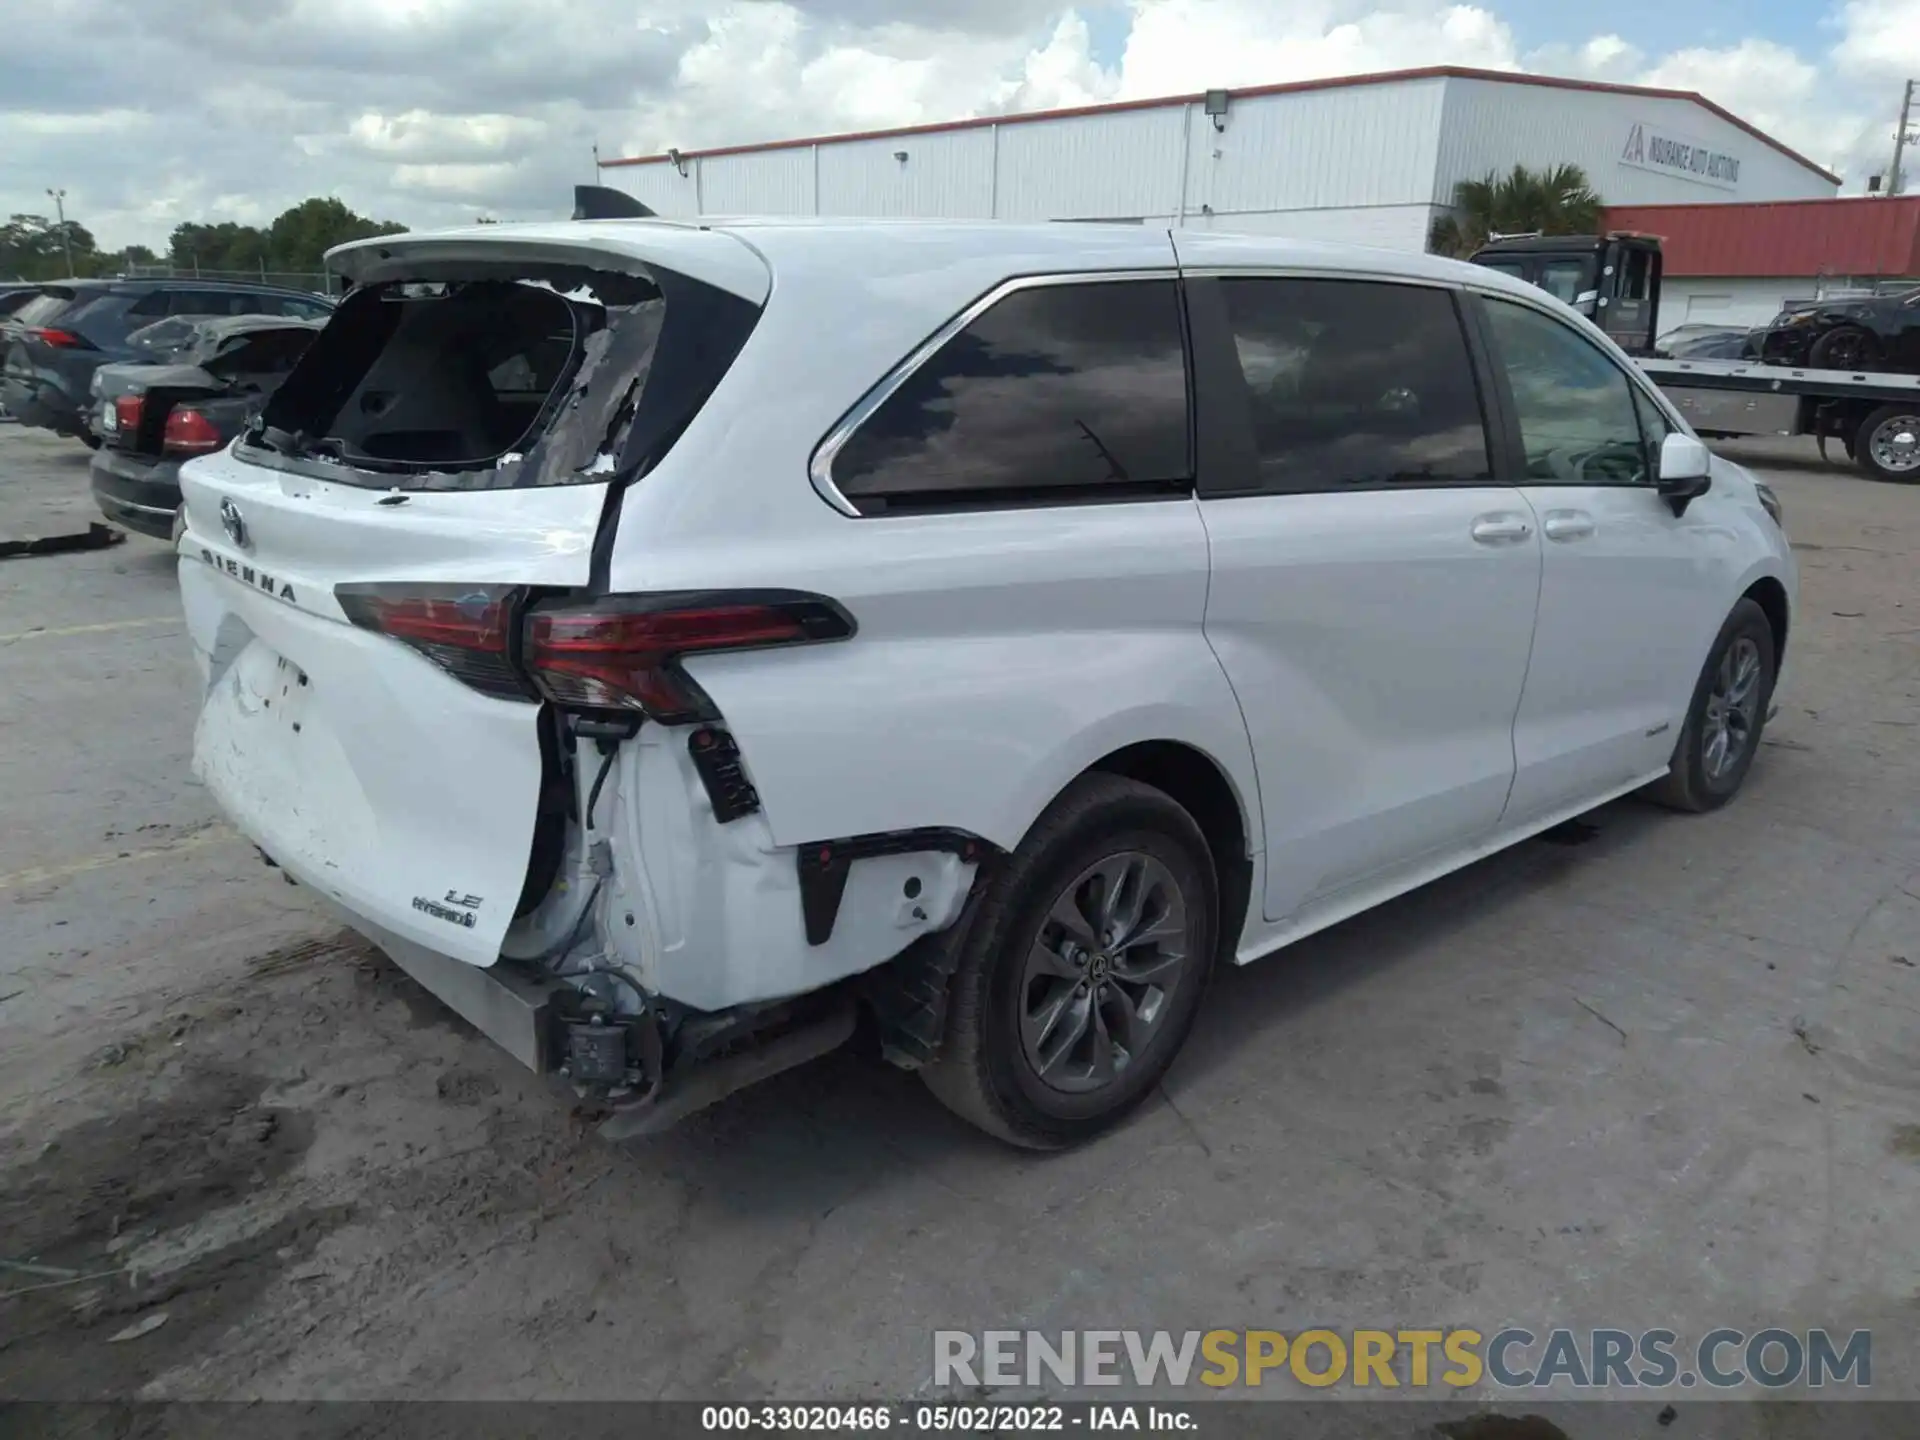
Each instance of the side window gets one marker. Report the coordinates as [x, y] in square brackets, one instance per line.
[206, 302]
[1575, 407]
[153, 304]
[1056, 393]
[1354, 384]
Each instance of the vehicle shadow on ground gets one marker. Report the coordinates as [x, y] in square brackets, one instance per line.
[1804, 460]
[850, 1122]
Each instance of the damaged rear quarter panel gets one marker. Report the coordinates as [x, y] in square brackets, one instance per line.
[715, 909]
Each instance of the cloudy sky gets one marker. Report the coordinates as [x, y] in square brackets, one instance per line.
[149, 112]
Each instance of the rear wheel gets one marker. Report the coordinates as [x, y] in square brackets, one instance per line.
[1081, 967]
[1887, 443]
[1845, 347]
[1729, 711]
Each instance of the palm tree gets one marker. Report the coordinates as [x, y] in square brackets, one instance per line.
[1552, 202]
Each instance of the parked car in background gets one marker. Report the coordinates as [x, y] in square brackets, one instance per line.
[153, 418]
[51, 346]
[661, 668]
[1867, 332]
[1706, 342]
[13, 294]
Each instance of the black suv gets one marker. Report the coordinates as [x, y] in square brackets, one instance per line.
[51, 346]
[1876, 332]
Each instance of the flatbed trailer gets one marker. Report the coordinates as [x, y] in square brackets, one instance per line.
[1614, 280]
[1875, 416]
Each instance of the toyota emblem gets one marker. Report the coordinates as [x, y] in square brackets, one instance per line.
[233, 522]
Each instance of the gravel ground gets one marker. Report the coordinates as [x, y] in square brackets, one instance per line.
[1664, 1077]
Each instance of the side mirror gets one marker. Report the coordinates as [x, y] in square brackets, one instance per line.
[1686, 470]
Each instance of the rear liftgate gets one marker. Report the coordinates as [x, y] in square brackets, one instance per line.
[388, 585]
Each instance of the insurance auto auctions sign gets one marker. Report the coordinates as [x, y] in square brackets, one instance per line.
[1667, 153]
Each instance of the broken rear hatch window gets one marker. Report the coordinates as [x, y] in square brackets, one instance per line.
[492, 375]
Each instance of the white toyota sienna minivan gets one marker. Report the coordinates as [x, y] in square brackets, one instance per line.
[669, 641]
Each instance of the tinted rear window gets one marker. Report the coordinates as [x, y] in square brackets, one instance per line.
[1056, 393]
[44, 307]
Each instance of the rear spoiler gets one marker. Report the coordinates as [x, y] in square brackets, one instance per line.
[602, 202]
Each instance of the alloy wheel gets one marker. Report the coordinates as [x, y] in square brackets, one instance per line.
[1097, 978]
[1733, 709]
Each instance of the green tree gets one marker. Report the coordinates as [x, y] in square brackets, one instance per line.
[33, 248]
[121, 262]
[225, 246]
[296, 241]
[299, 238]
[1559, 201]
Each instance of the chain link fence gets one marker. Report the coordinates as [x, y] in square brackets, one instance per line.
[318, 282]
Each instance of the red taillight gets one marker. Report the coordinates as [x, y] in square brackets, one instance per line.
[621, 653]
[190, 433]
[59, 339]
[126, 414]
[464, 629]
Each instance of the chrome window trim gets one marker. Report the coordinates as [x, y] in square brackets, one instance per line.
[820, 466]
[1312, 272]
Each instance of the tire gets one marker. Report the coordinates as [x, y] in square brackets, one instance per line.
[1694, 782]
[1887, 444]
[1051, 1094]
[1845, 347]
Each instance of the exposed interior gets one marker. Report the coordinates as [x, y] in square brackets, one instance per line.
[454, 374]
[466, 374]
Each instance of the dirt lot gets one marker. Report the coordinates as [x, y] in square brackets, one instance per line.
[1663, 1077]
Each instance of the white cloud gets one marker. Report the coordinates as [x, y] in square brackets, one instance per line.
[1880, 39]
[1183, 45]
[429, 110]
[1062, 73]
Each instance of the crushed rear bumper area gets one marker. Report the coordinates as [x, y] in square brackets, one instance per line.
[637, 1075]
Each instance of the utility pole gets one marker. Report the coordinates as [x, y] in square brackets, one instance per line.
[1900, 138]
[66, 240]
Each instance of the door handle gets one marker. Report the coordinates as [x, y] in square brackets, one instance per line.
[1500, 529]
[1567, 525]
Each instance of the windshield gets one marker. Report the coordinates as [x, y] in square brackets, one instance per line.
[1565, 280]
